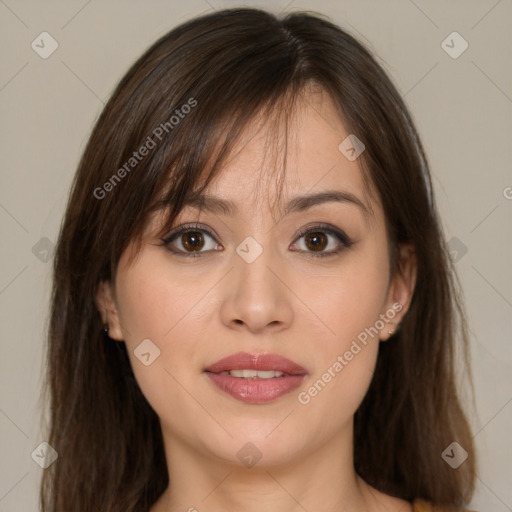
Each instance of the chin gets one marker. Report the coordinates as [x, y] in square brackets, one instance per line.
[259, 442]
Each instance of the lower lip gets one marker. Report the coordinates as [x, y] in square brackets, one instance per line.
[256, 391]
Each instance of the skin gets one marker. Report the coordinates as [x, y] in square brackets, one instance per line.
[199, 310]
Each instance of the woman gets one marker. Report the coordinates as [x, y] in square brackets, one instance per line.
[253, 305]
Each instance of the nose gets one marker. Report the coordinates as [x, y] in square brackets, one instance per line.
[256, 297]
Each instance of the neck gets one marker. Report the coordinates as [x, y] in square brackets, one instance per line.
[322, 480]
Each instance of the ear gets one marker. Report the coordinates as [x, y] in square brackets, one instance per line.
[401, 290]
[105, 302]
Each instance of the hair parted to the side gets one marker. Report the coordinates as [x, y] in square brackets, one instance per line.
[235, 64]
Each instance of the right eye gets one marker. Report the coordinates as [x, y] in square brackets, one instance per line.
[190, 240]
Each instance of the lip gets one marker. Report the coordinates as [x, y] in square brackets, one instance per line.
[256, 391]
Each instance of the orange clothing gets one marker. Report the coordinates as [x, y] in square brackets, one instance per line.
[425, 506]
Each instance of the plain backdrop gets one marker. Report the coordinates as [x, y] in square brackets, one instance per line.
[462, 106]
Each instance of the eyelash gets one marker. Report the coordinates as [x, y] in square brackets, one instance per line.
[340, 235]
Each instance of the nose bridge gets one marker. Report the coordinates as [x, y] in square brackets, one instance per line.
[253, 260]
[256, 298]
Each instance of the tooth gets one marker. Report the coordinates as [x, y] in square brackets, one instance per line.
[246, 374]
[250, 374]
[268, 374]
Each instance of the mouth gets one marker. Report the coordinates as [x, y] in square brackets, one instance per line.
[256, 378]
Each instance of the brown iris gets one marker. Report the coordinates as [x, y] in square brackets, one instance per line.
[192, 240]
[316, 240]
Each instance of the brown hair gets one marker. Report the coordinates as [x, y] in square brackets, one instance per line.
[227, 67]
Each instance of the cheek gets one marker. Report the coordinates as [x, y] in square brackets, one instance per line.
[350, 300]
[153, 299]
[350, 305]
[344, 363]
[164, 306]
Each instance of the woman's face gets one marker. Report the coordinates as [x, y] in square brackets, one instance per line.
[311, 307]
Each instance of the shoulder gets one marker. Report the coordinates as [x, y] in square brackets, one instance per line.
[425, 506]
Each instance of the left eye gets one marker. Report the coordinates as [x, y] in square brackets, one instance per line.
[322, 241]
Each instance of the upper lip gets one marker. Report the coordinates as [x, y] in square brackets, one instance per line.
[262, 362]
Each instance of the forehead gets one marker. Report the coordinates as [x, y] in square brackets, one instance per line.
[296, 153]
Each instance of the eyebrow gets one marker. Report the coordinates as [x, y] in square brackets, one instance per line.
[217, 205]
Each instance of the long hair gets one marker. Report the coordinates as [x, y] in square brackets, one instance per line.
[186, 101]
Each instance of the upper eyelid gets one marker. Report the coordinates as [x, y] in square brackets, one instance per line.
[199, 227]
[187, 227]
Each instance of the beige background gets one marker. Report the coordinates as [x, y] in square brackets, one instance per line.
[462, 108]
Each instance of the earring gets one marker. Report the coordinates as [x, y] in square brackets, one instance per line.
[392, 331]
[105, 329]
